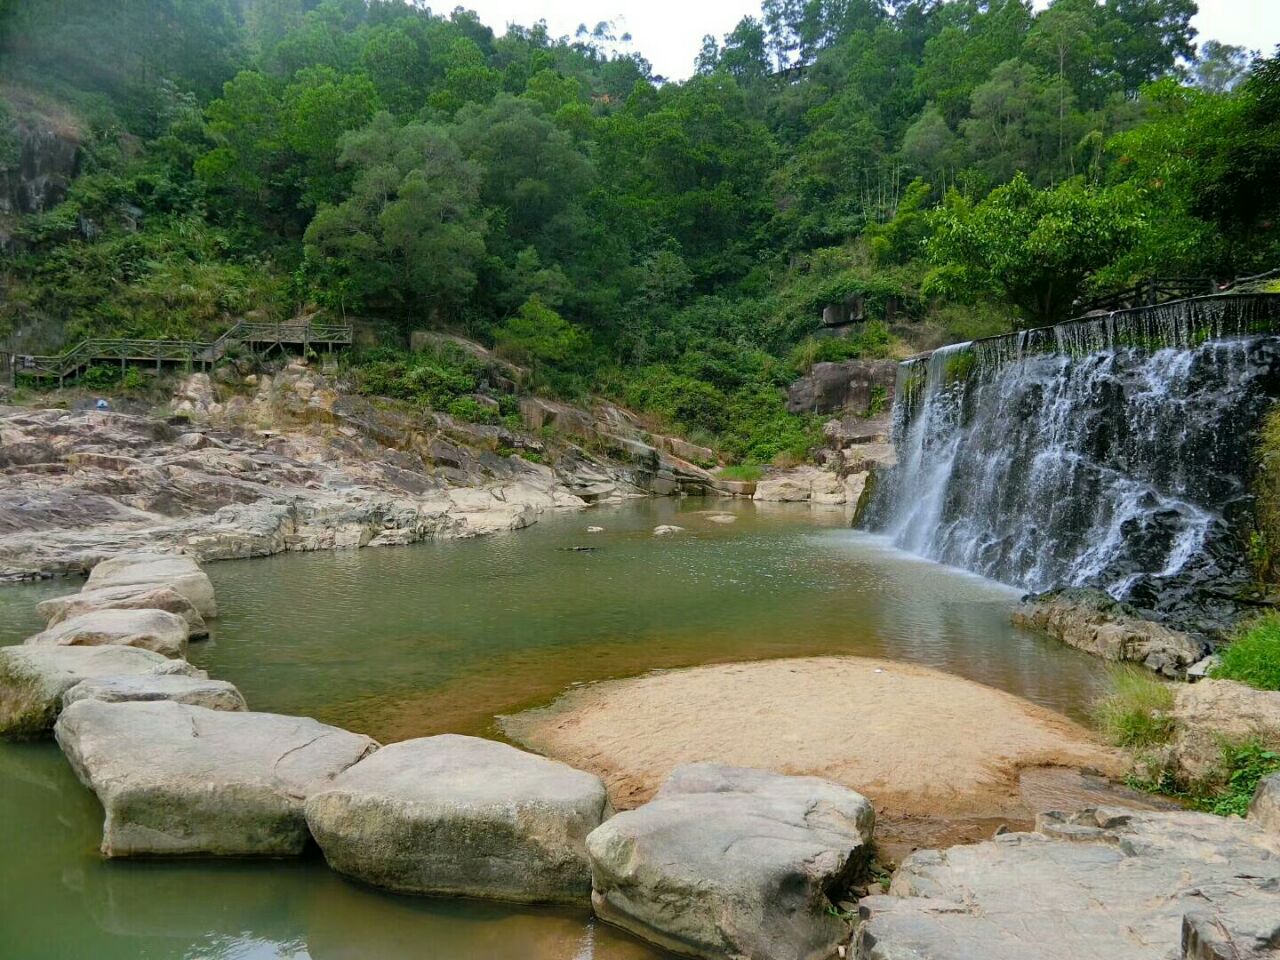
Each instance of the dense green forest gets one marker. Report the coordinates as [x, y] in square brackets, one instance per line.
[960, 166]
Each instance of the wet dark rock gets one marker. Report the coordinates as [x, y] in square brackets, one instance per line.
[847, 387]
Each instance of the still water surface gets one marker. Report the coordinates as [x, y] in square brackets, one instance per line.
[403, 642]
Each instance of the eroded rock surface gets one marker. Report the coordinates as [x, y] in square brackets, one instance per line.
[1096, 624]
[461, 816]
[1265, 808]
[156, 630]
[1103, 884]
[33, 679]
[334, 471]
[175, 779]
[733, 862]
[194, 691]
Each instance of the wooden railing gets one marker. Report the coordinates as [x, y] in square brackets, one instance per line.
[189, 352]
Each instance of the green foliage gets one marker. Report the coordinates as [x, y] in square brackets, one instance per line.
[873, 342]
[1253, 655]
[1035, 247]
[1136, 712]
[1265, 539]
[538, 336]
[1244, 766]
[469, 408]
[439, 379]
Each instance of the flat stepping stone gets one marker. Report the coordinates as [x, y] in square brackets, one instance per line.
[180, 780]
[34, 679]
[127, 597]
[155, 630]
[733, 862]
[193, 691]
[1100, 884]
[179, 573]
[461, 816]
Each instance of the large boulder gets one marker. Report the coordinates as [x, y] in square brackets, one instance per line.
[1213, 713]
[195, 691]
[179, 573]
[144, 597]
[175, 779]
[1098, 884]
[156, 630]
[794, 487]
[1265, 808]
[733, 862]
[33, 679]
[461, 816]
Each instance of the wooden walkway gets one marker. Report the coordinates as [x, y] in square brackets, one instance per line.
[258, 337]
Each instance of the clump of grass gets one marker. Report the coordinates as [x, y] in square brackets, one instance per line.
[748, 472]
[1137, 711]
[1253, 657]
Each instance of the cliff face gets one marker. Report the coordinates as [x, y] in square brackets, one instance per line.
[43, 159]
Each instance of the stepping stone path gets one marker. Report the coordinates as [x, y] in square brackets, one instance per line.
[180, 780]
[461, 816]
[146, 570]
[127, 597]
[733, 862]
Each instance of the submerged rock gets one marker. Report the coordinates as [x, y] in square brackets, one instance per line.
[1214, 713]
[128, 597]
[733, 862]
[156, 630]
[184, 780]
[194, 691]
[1105, 883]
[666, 529]
[180, 574]
[33, 679]
[1091, 621]
[461, 816]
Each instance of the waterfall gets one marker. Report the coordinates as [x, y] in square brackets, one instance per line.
[1111, 453]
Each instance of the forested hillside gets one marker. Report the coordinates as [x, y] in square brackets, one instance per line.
[959, 167]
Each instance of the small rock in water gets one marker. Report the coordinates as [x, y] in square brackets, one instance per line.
[666, 529]
[595, 529]
[579, 549]
[722, 518]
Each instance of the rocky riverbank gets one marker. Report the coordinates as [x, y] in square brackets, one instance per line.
[289, 461]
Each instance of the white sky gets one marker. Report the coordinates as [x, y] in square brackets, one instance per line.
[670, 32]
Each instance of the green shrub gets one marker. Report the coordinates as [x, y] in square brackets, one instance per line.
[469, 408]
[1253, 657]
[433, 379]
[1135, 713]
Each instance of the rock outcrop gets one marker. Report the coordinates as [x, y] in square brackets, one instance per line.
[1103, 883]
[177, 780]
[191, 690]
[461, 816]
[852, 386]
[1093, 622]
[33, 679]
[732, 862]
[1212, 714]
[335, 470]
[155, 630]
[810, 485]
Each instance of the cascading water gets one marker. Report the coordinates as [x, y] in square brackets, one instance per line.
[1110, 453]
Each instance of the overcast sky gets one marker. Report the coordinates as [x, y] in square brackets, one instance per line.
[669, 32]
